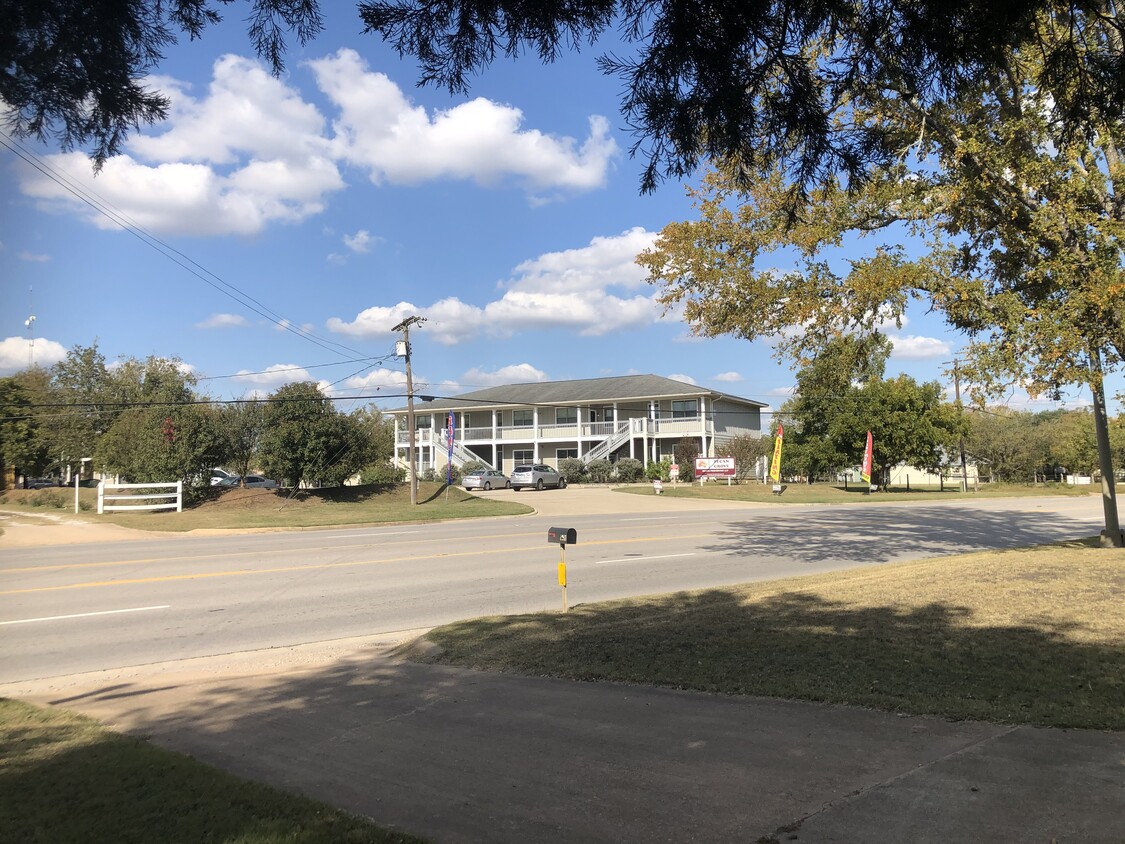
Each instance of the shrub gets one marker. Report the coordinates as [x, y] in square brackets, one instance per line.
[629, 470]
[659, 471]
[572, 469]
[599, 471]
[443, 473]
[382, 474]
[52, 498]
[472, 466]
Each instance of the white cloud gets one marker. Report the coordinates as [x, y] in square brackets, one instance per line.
[783, 392]
[395, 141]
[17, 352]
[361, 241]
[377, 379]
[605, 262]
[250, 152]
[570, 290]
[687, 379]
[911, 347]
[194, 199]
[34, 258]
[222, 321]
[261, 384]
[519, 373]
[246, 112]
[277, 375]
[727, 377]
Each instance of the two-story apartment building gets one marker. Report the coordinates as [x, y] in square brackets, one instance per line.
[639, 416]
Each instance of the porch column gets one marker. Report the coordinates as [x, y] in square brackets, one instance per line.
[703, 427]
[535, 435]
[395, 417]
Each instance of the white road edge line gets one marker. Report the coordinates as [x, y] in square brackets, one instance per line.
[642, 559]
[84, 614]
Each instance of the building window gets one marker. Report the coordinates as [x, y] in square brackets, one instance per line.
[564, 453]
[566, 415]
[684, 409]
[520, 457]
[523, 418]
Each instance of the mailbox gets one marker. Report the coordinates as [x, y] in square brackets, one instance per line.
[562, 536]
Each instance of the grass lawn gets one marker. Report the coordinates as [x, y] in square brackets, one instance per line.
[832, 494]
[63, 778]
[1033, 636]
[234, 509]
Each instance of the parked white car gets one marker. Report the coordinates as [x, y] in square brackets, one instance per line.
[486, 479]
[537, 475]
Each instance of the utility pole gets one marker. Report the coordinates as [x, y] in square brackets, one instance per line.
[960, 418]
[402, 349]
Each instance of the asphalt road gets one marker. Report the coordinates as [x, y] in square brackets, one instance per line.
[79, 608]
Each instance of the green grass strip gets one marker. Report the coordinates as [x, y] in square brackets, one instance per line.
[64, 778]
[1033, 636]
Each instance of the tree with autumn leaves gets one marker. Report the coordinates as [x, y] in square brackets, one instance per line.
[1014, 219]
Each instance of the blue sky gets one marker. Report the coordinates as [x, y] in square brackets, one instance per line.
[336, 200]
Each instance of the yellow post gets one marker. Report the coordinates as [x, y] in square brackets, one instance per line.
[562, 575]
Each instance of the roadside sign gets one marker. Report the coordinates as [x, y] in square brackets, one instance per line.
[714, 467]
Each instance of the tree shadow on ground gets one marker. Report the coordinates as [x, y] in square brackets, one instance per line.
[884, 534]
[68, 781]
[932, 659]
[458, 754]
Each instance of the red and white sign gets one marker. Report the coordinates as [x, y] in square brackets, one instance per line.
[714, 467]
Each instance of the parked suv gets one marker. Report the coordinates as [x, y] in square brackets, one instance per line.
[538, 476]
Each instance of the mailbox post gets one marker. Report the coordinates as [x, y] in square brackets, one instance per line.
[562, 536]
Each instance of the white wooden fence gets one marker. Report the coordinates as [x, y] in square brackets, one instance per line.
[160, 497]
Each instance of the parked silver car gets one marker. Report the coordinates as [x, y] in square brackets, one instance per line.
[486, 479]
[537, 475]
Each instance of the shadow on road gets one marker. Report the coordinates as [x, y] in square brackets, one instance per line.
[882, 534]
[462, 755]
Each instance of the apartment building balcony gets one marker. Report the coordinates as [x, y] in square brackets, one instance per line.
[586, 431]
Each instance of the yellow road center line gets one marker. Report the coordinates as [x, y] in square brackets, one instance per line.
[169, 578]
[147, 560]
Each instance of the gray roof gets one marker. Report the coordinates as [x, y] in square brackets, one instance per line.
[584, 391]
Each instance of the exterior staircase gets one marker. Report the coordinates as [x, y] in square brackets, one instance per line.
[607, 446]
[462, 455]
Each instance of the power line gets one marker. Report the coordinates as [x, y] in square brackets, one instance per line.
[107, 209]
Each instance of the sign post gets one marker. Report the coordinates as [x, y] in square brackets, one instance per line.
[562, 536]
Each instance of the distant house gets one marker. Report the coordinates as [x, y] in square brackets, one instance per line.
[639, 416]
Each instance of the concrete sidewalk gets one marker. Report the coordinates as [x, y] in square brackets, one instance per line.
[464, 756]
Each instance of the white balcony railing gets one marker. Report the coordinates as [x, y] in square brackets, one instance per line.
[690, 425]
